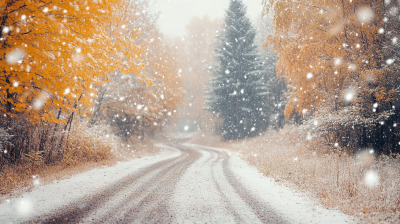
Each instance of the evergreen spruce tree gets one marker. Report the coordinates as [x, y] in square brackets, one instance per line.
[238, 91]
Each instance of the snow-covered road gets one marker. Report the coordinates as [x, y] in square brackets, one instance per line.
[184, 184]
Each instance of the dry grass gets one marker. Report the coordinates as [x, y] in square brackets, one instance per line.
[363, 186]
[88, 147]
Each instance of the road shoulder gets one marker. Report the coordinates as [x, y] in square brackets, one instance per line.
[49, 197]
[296, 207]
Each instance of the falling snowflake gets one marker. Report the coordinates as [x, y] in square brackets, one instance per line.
[371, 178]
[67, 91]
[309, 137]
[38, 103]
[6, 29]
[349, 97]
[365, 14]
[337, 61]
[15, 56]
[389, 61]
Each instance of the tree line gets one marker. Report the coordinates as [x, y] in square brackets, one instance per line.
[99, 62]
[331, 68]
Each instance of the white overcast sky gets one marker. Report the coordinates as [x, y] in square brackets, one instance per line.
[176, 14]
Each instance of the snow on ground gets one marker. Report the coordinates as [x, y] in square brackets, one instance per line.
[214, 188]
[43, 199]
[204, 195]
[294, 206]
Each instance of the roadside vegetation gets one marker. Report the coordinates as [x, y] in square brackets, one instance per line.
[325, 120]
[82, 84]
[365, 185]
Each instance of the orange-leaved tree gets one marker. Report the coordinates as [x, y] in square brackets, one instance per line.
[144, 109]
[52, 52]
[125, 32]
[339, 49]
[138, 101]
[339, 59]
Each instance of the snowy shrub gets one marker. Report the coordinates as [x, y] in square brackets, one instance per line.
[90, 143]
[347, 128]
[47, 149]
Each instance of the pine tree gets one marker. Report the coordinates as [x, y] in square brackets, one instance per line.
[238, 92]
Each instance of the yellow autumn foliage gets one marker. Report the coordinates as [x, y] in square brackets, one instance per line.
[52, 52]
[328, 49]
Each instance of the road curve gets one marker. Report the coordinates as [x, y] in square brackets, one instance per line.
[197, 186]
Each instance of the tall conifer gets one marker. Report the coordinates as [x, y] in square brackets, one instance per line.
[238, 92]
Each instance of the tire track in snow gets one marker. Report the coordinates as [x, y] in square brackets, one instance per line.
[79, 210]
[152, 189]
[229, 205]
[224, 201]
[153, 204]
[264, 212]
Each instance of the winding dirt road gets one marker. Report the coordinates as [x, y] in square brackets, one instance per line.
[195, 187]
[185, 183]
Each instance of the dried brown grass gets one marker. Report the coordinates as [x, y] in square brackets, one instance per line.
[336, 179]
[87, 147]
